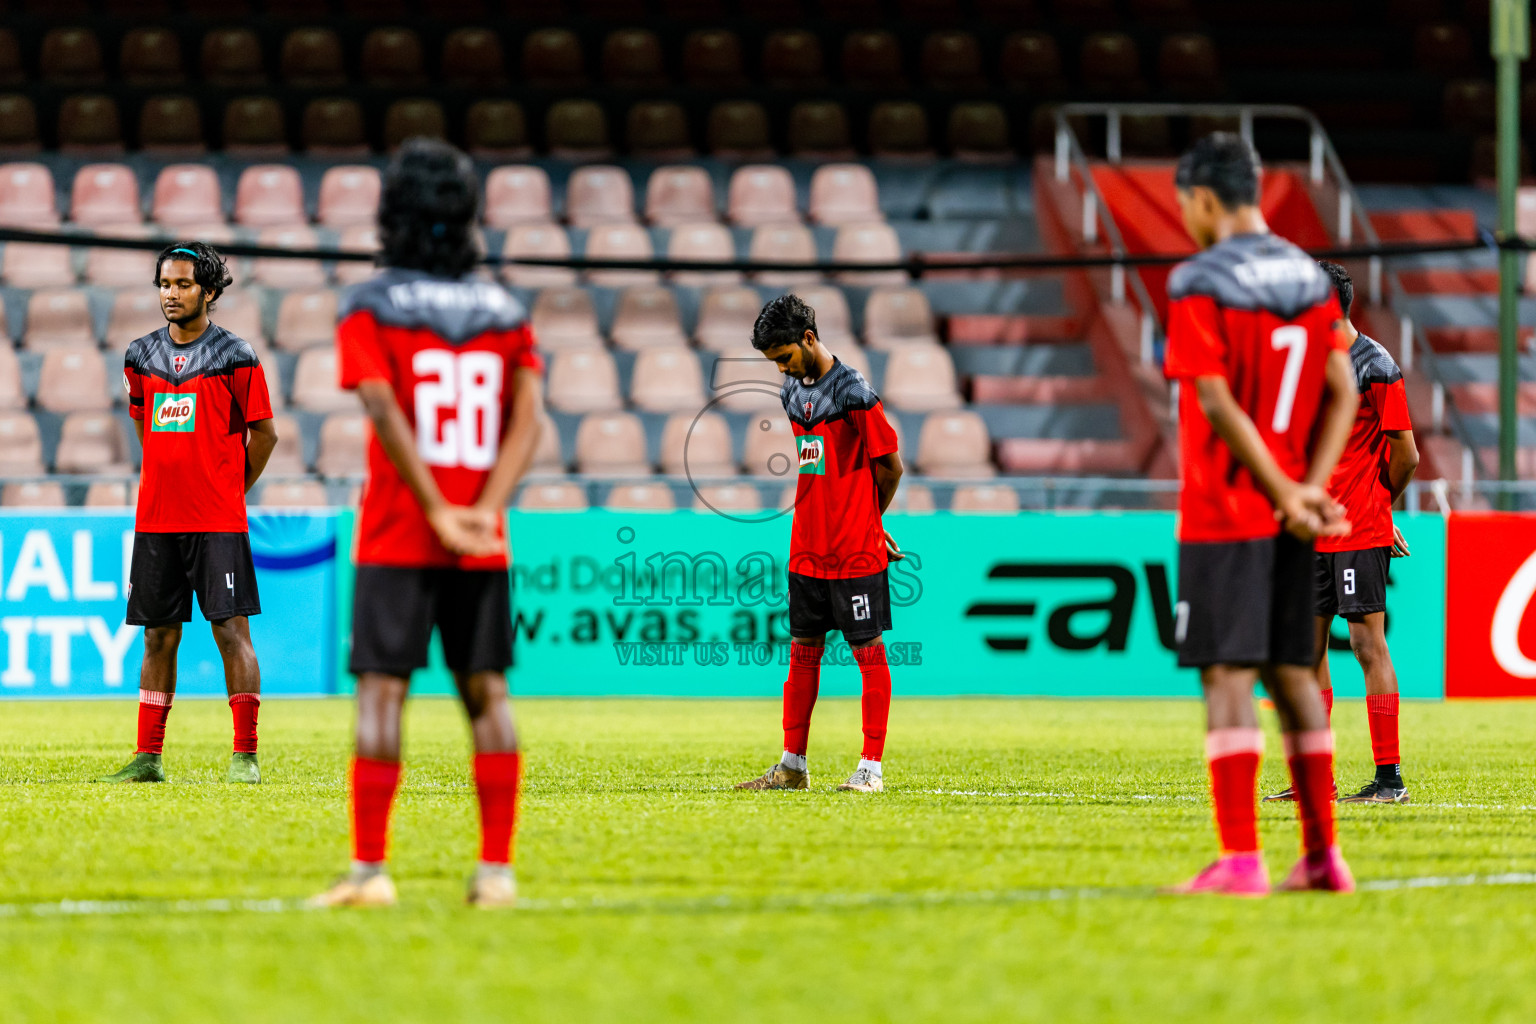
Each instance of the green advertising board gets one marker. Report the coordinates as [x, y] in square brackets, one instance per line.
[1060, 604]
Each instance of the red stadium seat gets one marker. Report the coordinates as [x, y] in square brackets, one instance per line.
[844, 194]
[583, 380]
[819, 130]
[872, 60]
[171, 126]
[600, 195]
[73, 379]
[150, 57]
[89, 125]
[646, 316]
[712, 60]
[552, 59]
[24, 265]
[955, 444]
[392, 59]
[274, 272]
[565, 318]
[762, 194]
[70, 56]
[667, 380]
[472, 58]
[738, 130]
[538, 241]
[632, 59]
[311, 58]
[305, 319]
[253, 127]
[708, 242]
[679, 195]
[517, 195]
[269, 195]
[231, 58]
[496, 130]
[21, 445]
[349, 195]
[187, 196]
[92, 442]
[58, 316]
[577, 130]
[697, 444]
[792, 59]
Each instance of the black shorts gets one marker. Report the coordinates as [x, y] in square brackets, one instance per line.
[1245, 603]
[168, 568]
[1352, 583]
[394, 610]
[860, 607]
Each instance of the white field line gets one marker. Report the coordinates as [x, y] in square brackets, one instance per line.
[1180, 797]
[722, 903]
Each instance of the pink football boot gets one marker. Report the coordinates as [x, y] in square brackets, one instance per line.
[1233, 874]
[1321, 870]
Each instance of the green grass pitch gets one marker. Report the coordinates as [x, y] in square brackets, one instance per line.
[1004, 875]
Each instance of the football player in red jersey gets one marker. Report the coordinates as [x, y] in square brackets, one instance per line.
[200, 406]
[445, 364]
[1352, 571]
[839, 549]
[1266, 402]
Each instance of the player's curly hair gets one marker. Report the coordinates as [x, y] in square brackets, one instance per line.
[783, 321]
[1225, 163]
[1342, 283]
[208, 267]
[427, 211]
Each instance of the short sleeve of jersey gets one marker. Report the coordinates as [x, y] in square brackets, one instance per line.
[875, 430]
[525, 355]
[1392, 405]
[1196, 347]
[359, 355]
[133, 381]
[251, 381]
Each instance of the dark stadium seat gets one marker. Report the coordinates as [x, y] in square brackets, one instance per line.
[105, 194]
[871, 59]
[26, 196]
[18, 126]
[712, 59]
[89, 125]
[269, 194]
[952, 60]
[576, 130]
[844, 194]
[21, 444]
[253, 126]
[407, 119]
[58, 316]
[792, 60]
[334, 127]
[496, 130]
[517, 195]
[1031, 62]
[73, 379]
[954, 444]
[632, 59]
[1187, 66]
[611, 444]
[171, 126]
[11, 70]
[70, 56]
[929, 12]
[349, 195]
[979, 131]
[232, 58]
[1443, 50]
[392, 59]
[552, 59]
[599, 195]
[679, 195]
[738, 130]
[150, 57]
[819, 128]
[658, 130]
[311, 58]
[1165, 14]
[1085, 13]
[1110, 65]
[1468, 106]
[693, 10]
[899, 130]
[92, 442]
[1146, 135]
[473, 58]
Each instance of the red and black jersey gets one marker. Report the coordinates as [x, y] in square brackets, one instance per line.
[195, 400]
[1261, 313]
[840, 429]
[1360, 481]
[449, 348]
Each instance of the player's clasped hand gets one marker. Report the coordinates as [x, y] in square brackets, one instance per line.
[892, 550]
[1308, 512]
[465, 530]
[1399, 545]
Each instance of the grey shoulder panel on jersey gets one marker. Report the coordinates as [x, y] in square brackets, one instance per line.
[454, 310]
[1372, 362]
[1253, 272]
[842, 390]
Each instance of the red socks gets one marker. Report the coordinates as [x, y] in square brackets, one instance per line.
[1310, 756]
[154, 709]
[1381, 710]
[244, 707]
[373, 790]
[1233, 757]
[1328, 702]
[800, 695]
[877, 698]
[496, 778]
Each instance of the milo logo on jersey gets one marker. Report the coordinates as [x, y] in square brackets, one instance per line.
[177, 413]
[813, 453]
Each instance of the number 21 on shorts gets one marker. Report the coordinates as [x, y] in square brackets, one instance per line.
[468, 384]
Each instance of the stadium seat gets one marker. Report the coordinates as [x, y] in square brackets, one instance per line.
[253, 127]
[978, 132]
[288, 456]
[632, 59]
[26, 196]
[896, 316]
[285, 273]
[727, 498]
[334, 127]
[187, 196]
[105, 194]
[712, 60]
[769, 449]
[599, 195]
[21, 445]
[293, 494]
[473, 59]
[12, 394]
[850, 352]
[645, 317]
[971, 499]
[610, 444]
[106, 494]
[1031, 63]
[92, 442]
[913, 499]
[239, 313]
[171, 126]
[547, 456]
[565, 318]
[391, 59]
[576, 130]
[272, 370]
[583, 380]
[743, 381]
[305, 319]
[952, 61]
[231, 58]
[834, 321]
[783, 243]
[658, 130]
[314, 383]
[357, 238]
[899, 131]
[844, 194]
[41, 494]
[553, 497]
[761, 194]
[135, 313]
[709, 242]
[552, 59]
[18, 126]
[408, 119]
[150, 57]
[871, 59]
[343, 449]
[58, 316]
[619, 242]
[667, 380]
[726, 316]
[269, 195]
[792, 60]
[24, 265]
[1468, 107]
[1056, 457]
[641, 498]
[496, 130]
[89, 125]
[12, 72]
[679, 195]
[517, 195]
[311, 58]
[1111, 66]
[70, 56]
[868, 243]
[738, 130]
[540, 241]
[1187, 66]
[955, 444]
[73, 379]
[920, 377]
[819, 130]
[1443, 49]
[119, 268]
[349, 195]
[697, 444]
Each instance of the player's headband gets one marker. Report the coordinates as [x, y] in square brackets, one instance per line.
[189, 252]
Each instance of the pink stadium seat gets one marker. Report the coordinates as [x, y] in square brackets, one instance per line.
[849, 352]
[541, 241]
[119, 268]
[1052, 456]
[517, 195]
[565, 318]
[343, 445]
[726, 316]
[12, 395]
[833, 319]
[646, 317]
[679, 195]
[868, 243]
[272, 370]
[553, 497]
[783, 243]
[73, 379]
[135, 313]
[702, 243]
[314, 383]
[305, 319]
[599, 195]
[294, 494]
[955, 444]
[357, 238]
[24, 265]
[239, 313]
[743, 381]
[697, 444]
[58, 316]
[983, 498]
[349, 195]
[187, 196]
[288, 273]
[44, 494]
[105, 194]
[641, 498]
[727, 498]
[583, 380]
[21, 445]
[844, 194]
[548, 459]
[92, 442]
[619, 242]
[269, 195]
[667, 380]
[26, 196]
[913, 499]
[611, 444]
[894, 316]
[288, 457]
[762, 194]
[770, 448]
[106, 494]
[920, 376]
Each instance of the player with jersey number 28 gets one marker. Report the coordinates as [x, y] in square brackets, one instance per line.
[446, 367]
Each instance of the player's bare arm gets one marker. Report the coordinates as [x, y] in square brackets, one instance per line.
[518, 446]
[257, 450]
[1402, 463]
[888, 470]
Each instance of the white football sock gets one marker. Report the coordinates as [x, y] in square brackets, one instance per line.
[873, 766]
[795, 761]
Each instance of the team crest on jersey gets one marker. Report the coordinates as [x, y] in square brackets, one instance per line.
[813, 453]
[178, 363]
[808, 408]
[174, 413]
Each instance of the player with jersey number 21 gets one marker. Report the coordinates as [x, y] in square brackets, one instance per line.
[446, 367]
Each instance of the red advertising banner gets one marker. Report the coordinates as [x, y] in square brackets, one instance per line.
[1490, 632]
